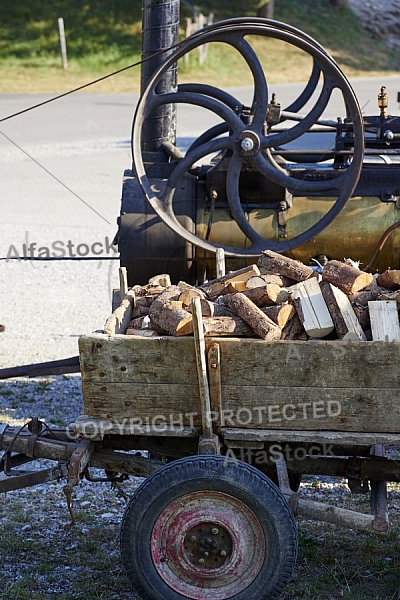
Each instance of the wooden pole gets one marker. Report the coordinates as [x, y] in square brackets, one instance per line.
[63, 43]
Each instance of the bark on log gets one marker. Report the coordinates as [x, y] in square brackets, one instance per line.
[371, 292]
[390, 279]
[226, 326]
[346, 278]
[280, 314]
[391, 296]
[345, 320]
[362, 314]
[282, 265]
[294, 330]
[262, 325]
[167, 313]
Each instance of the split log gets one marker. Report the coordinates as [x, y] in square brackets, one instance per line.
[293, 330]
[226, 326]
[362, 314]
[267, 295]
[345, 277]
[141, 326]
[244, 308]
[121, 317]
[236, 278]
[280, 314]
[384, 320]
[346, 323]
[168, 314]
[391, 296]
[311, 308]
[163, 280]
[390, 279]
[282, 265]
[123, 281]
[371, 292]
[261, 280]
[188, 294]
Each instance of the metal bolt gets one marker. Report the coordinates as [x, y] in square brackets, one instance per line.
[214, 531]
[247, 144]
[209, 541]
[193, 538]
[201, 561]
[223, 553]
[206, 554]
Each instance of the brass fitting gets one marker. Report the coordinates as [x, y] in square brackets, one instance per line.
[383, 101]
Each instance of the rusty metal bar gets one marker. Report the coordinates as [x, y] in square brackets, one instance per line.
[122, 462]
[31, 479]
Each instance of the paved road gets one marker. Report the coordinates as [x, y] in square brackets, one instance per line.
[84, 141]
[82, 145]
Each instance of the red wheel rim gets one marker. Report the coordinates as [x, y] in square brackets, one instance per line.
[207, 543]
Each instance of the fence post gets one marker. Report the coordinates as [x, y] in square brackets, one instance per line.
[63, 43]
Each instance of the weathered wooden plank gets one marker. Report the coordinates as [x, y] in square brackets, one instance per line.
[95, 429]
[143, 379]
[310, 408]
[133, 359]
[346, 438]
[214, 375]
[243, 361]
[201, 367]
[319, 363]
[251, 406]
[384, 320]
[174, 404]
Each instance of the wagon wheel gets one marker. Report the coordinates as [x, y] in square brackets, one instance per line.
[247, 138]
[208, 528]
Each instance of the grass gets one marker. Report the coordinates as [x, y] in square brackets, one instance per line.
[105, 35]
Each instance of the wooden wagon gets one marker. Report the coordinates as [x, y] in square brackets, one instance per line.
[230, 425]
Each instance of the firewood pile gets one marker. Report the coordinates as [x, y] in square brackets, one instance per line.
[276, 299]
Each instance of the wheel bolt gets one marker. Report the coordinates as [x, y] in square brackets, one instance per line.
[214, 531]
[209, 541]
[247, 144]
[201, 561]
[223, 552]
[193, 538]
[206, 554]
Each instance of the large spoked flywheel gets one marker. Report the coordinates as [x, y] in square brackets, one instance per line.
[250, 137]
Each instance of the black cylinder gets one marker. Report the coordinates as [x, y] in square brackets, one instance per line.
[160, 31]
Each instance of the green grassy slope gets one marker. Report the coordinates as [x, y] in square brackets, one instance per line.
[104, 35]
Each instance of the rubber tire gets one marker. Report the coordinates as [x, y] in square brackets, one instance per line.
[213, 473]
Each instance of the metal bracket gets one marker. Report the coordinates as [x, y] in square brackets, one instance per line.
[77, 464]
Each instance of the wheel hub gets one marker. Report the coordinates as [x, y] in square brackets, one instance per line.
[248, 143]
[208, 546]
[207, 541]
